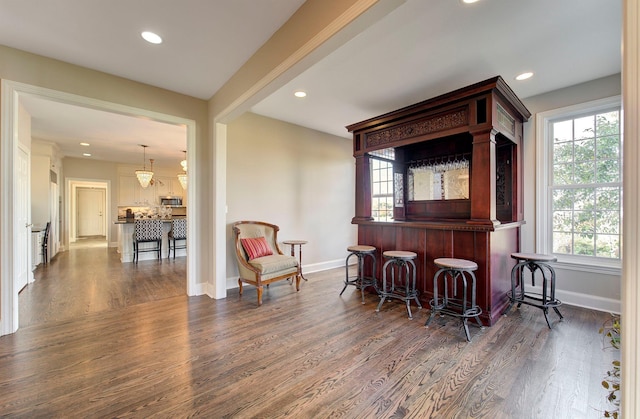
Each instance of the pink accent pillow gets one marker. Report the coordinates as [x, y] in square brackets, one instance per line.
[256, 248]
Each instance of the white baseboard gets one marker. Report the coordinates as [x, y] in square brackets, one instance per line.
[322, 266]
[592, 302]
[306, 269]
[203, 288]
[232, 283]
[577, 299]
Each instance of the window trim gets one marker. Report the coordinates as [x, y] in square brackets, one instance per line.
[390, 187]
[543, 203]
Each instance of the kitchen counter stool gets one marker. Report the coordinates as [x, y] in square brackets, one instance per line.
[464, 307]
[147, 231]
[178, 232]
[547, 299]
[403, 278]
[360, 280]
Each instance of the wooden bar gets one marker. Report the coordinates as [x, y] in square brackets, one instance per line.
[483, 121]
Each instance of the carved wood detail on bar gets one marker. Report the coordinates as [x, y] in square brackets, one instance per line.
[454, 119]
[501, 186]
[506, 121]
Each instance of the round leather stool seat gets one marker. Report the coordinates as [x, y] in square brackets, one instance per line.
[359, 248]
[451, 263]
[400, 254]
[534, 257]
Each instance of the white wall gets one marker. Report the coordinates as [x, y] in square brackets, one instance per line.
[300, 179]
[45, 195]
[584, 288]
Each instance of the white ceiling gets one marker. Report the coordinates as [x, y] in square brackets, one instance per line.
[421, 49]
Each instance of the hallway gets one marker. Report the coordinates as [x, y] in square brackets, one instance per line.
[89, 241]
[88, 280]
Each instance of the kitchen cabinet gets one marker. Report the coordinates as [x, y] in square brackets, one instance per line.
[126, 190]
[148, 195]
[169, 186]
[131, 193]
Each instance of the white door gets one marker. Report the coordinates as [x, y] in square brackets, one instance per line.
[22, 228]
[91, 207]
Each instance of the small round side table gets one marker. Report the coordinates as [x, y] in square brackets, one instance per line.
[293, 244]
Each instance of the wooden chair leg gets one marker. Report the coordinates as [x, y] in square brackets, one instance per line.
[240, 286]
[260, 295]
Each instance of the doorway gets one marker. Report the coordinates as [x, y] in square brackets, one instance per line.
[90, 210]
[11, 93]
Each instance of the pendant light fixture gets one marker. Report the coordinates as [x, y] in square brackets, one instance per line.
[182, 177]
[144, 176]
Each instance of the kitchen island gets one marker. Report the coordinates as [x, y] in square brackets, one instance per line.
[125, 241]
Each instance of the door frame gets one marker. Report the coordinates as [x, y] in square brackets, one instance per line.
[20, 259]
[10, 93]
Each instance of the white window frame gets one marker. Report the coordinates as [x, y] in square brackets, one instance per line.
[544, 166]
[389, 195]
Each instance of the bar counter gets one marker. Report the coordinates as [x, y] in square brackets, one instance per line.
[489, 246]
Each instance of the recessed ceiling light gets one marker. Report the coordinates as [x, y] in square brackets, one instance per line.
[151, 37]
[86, 154]
[470, 1]
[85, 144]
[524, 76]
[300, 93]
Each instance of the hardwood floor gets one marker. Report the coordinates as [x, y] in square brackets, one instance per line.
[101, 339]
[90, 280]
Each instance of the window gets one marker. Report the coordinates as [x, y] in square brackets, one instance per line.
[381, 189]
[580, 187]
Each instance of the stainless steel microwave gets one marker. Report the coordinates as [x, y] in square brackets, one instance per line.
[171, 201]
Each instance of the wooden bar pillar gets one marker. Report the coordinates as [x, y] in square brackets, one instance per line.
[483, 178]
[363, 189]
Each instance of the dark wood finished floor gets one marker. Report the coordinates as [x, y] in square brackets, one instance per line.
[101, 339]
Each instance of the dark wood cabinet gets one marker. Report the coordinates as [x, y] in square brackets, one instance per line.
[480, 125]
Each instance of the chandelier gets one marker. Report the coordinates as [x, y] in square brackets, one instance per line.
[144, 176]
[182, 177]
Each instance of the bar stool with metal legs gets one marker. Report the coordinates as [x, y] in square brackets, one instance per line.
[403, 278]
[360, 280]
[545, 300]
[459, 270]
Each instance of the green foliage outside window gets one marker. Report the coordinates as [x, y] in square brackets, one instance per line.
[587, 185]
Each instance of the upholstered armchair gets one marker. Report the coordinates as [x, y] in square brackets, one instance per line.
[260, 260]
